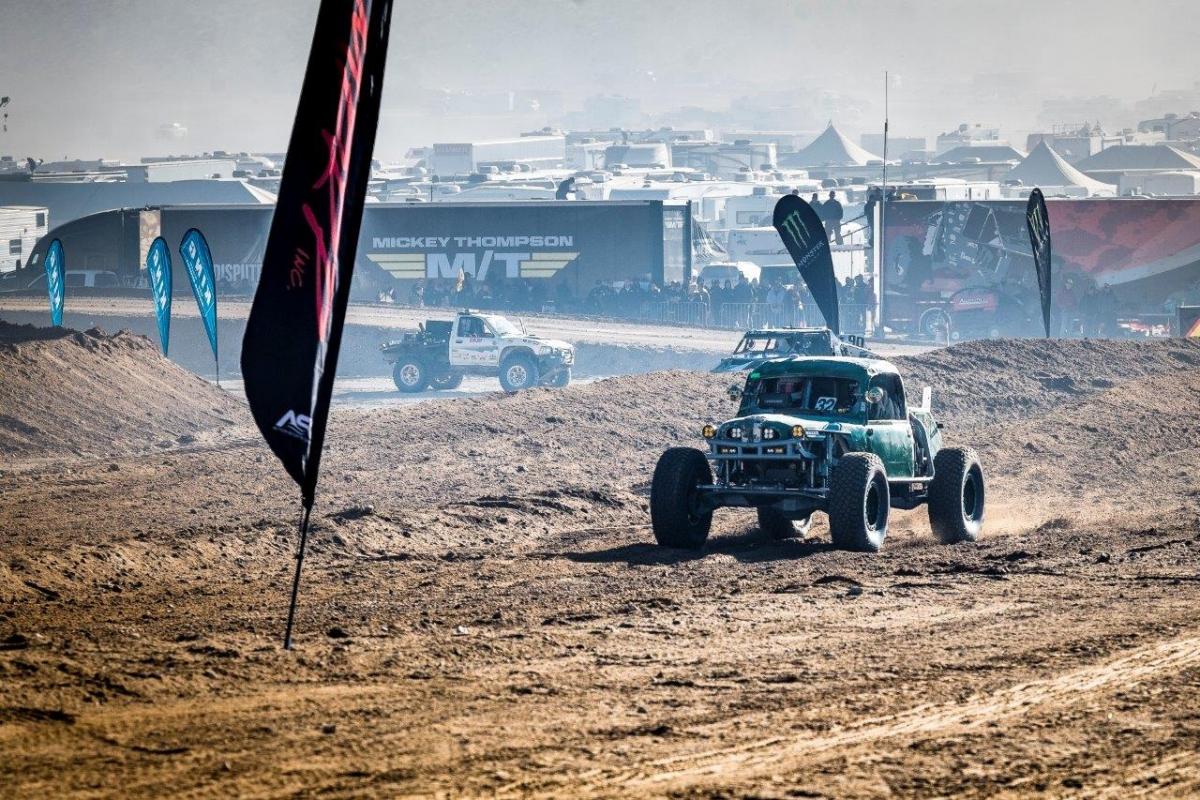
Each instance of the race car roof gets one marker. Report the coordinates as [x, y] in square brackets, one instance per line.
[839, 366]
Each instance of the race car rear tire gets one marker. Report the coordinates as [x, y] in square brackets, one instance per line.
[518, 372]
[859, 503]
[777, 526]
[674, 511]
[447, 382]
[410, 375]
[956, 495]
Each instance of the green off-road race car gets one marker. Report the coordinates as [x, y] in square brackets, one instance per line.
[820, 434]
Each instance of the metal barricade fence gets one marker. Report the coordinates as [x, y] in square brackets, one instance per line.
[765, 315]
[678, 312]
[856, 318]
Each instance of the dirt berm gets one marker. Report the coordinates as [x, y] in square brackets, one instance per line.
[484, 612]
[63, 392]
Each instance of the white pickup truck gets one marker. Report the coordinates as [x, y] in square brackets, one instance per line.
[441, 353]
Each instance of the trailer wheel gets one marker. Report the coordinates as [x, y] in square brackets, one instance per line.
[446, 382]
[410, 375]
[674, 510]
[518, 372]
[859, 503]
[777, 526]
[956, 496]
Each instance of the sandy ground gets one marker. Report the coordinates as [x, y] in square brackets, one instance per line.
[484, 612]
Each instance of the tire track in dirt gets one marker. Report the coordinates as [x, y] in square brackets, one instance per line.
[777, 754]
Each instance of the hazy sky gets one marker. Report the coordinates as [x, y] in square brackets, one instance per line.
[95, 78]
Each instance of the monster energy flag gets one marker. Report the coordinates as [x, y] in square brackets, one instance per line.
[1038, 222]
[158, 267]
[290, 350]
[806, 241]
[56, 268]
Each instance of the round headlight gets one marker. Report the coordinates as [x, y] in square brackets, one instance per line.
[708, 432]
[797, 431]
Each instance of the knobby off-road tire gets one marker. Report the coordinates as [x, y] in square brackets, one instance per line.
[445, 383]
[956, 495]
[777, 526]
[673, 498]
[410, 375]
[561, 379]
[518, 372]
[859, 503]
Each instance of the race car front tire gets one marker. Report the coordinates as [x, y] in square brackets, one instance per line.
[859, 503]
[560, 379]
[518, 372]
[674, 509]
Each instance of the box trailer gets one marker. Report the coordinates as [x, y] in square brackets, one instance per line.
[568, 245]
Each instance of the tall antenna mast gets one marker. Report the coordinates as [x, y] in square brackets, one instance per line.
[883, 191]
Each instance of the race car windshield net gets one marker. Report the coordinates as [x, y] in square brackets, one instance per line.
[803, 344]
[759, 345]
[806, 394]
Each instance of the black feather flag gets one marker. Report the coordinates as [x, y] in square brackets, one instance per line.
[1038, 222]
[290, 350]
[804, 236]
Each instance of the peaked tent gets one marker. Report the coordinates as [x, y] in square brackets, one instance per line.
[984, 152]
[1140, 156]
[1045, 168]
[831, 148]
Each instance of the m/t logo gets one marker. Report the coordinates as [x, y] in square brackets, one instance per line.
[449, 265]
[298, 426]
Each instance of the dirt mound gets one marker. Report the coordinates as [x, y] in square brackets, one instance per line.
[63, 392]
[999, 379]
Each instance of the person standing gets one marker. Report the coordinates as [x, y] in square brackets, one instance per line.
[870, 300]
[818, 206]
[833, 217]
[873, 198]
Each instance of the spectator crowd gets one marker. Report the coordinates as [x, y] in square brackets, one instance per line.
[741, 303]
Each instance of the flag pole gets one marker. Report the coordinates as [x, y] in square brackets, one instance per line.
[287, 635]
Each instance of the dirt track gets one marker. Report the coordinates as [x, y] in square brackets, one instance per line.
[483, 611]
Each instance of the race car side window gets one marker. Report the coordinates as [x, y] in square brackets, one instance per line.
[892, 404]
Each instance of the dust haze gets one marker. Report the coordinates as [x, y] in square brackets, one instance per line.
[91, 79]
